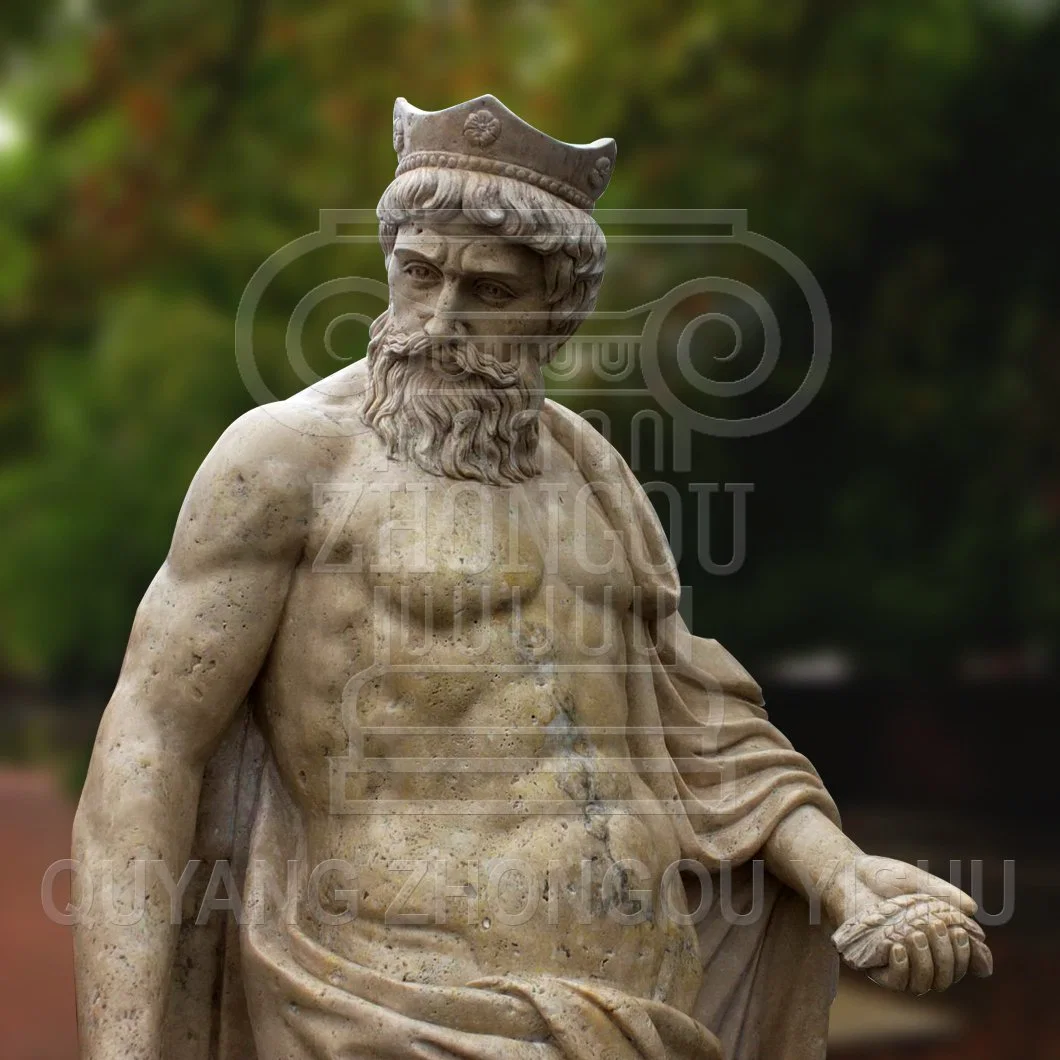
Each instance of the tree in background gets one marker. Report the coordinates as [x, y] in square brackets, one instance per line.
[906, 152]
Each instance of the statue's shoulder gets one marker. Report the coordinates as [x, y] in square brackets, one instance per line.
[595, 456]
[579, 436]
[333, 403]
[310, 430]
[623, 500]
[565, 420]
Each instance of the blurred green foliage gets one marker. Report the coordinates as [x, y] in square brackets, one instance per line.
[906, 151]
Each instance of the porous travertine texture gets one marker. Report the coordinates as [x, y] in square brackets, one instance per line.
[761, 985]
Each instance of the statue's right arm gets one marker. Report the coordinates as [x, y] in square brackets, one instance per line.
[198, 641]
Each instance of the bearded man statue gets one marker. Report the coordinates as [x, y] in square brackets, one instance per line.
[411, 740]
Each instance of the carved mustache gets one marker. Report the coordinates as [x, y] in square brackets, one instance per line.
[455, 358]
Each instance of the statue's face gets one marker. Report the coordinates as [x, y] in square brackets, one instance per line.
[457, 279]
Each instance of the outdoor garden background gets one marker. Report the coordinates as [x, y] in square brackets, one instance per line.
[899, 597]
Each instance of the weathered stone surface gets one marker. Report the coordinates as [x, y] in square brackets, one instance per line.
[412, 688]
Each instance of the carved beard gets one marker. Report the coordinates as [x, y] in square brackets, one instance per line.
[452, 408]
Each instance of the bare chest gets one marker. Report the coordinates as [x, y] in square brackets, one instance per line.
[440, 548]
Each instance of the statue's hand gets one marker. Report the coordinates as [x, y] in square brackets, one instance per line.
[911, 930]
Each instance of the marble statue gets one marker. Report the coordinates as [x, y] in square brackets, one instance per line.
[412, 754]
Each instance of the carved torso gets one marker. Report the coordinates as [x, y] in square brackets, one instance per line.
[445, 699]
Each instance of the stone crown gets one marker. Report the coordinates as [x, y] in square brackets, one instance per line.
[484, 135]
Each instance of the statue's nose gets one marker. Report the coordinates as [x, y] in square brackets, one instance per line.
[444, 320]
[438, 327]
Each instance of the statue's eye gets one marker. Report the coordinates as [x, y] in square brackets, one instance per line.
[490, 291]
[418, 271]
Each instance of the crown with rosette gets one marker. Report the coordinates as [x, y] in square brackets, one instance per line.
[483, 135]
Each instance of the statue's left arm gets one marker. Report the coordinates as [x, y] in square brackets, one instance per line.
[739, 789]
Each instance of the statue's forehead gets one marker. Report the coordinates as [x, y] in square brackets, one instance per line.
[465, 245]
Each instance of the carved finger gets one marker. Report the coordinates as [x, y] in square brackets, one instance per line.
[921, 966]
[865, 940]
[982, 962]
[895, 975]
[940, 888]
[962, 952]
[973, 927]
[941, 955]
